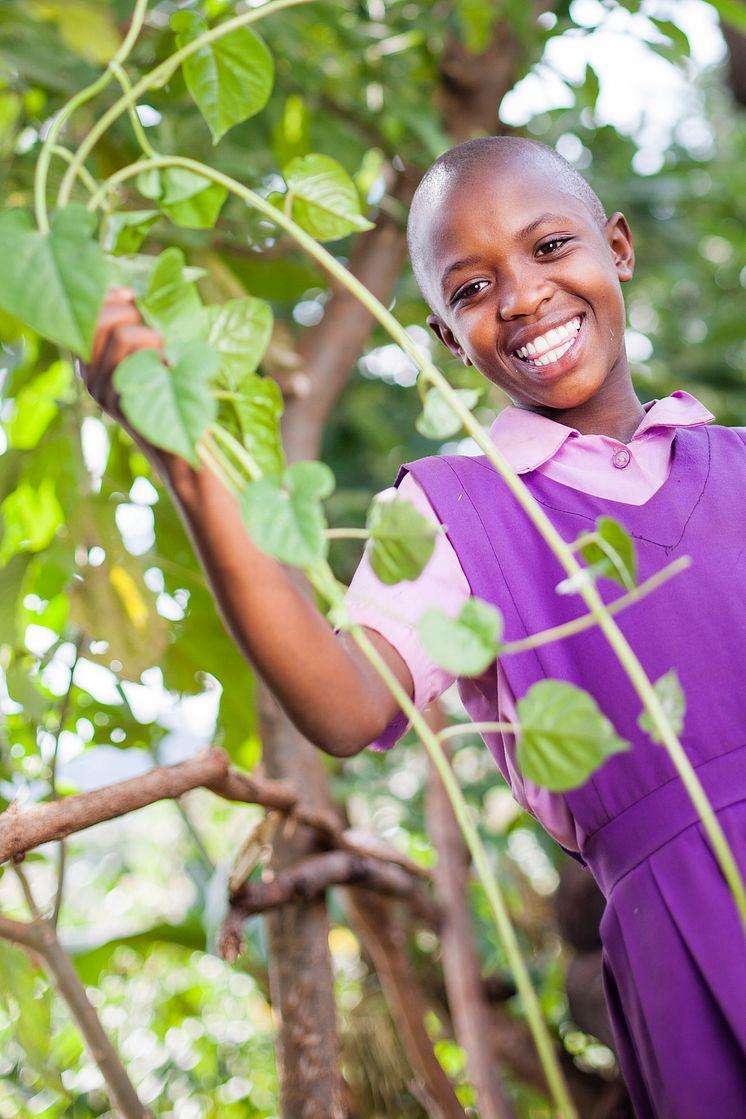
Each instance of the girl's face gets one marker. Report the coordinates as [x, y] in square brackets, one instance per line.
[525, 285]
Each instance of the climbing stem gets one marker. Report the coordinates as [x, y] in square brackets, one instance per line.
[237, 449]
[587, 621]
[41, 173]
[519, 971]
[535, 513]
[158, 77]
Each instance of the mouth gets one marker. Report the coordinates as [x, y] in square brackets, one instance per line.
[550, 348]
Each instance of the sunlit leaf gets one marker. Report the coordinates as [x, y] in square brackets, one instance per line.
[673, 701]
[257, 406]
[284, 515]
[36, 405]
[564, 736]
[325, 201]
[171, 304]
[465, 645]
[231, 78]
[402, 540]
[171, 405]
[437, 420]
[31, 517]
[54, 282]
[240, 331]
[86, 26]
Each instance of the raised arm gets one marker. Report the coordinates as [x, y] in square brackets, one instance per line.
[322, 680]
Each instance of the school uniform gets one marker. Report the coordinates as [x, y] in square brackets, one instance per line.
[674, 947]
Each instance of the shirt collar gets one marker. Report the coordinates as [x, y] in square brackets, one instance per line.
[528, 440]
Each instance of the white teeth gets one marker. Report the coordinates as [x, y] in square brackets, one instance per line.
[552, 345]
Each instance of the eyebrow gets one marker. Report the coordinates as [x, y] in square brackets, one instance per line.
[467, 261]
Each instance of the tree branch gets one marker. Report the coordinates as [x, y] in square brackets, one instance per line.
[41, 938]
[21, 831]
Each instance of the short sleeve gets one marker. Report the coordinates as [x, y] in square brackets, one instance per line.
[393, 611]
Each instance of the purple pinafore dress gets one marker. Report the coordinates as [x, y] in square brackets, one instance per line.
[674, 948]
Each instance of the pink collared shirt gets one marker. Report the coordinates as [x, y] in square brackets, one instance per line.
[593, 464]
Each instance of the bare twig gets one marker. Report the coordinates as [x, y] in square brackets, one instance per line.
[41, 938]
[21, 831]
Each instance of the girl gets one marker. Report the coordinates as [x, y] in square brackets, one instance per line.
[522, 271]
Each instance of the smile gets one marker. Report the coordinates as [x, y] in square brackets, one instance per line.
[550, 347]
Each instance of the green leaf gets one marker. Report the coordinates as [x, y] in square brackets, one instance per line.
[612, 553]
[284, 515]
[240, 331]
[437, 420]
[53, 282]
[170, 406]
[231, 78]
[30, 1009]
[325, 201]
[257, 407]
[31, 518]
[465, 645]
[37, 404]
[564, 736]
[402, 540]
[673, 701]
[172, 305]
[134, 271]
[127, 229]
[186, 198]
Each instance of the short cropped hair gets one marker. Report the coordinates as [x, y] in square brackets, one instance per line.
[469, 155]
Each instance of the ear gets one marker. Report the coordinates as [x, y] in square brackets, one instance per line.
[445, 335]
[619, 236]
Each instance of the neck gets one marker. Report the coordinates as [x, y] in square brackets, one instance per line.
[613, 411]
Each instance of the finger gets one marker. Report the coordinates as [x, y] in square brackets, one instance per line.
[112, 317]
[126, 340]
[119, 295]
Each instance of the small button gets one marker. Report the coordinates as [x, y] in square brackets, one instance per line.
[621, 458]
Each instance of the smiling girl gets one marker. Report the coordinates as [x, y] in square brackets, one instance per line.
[522, 271]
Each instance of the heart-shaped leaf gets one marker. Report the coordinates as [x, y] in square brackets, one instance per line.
[284, 515]
[672, 698]
[402, 540]
[325, 201]
[437, 420]
[170, 406]
[257, 406]
[564, 736]
[231, 78]
[186, 198]
[172, 305]
[54, 282]
[466, 645]
[127, 229]
[611, 553]
[240, 331]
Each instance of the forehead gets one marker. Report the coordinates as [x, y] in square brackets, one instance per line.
[487, 206]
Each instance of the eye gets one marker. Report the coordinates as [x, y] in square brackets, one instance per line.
[467, 291]
[549, 248]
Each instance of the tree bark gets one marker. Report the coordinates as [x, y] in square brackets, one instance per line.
[468, 1004]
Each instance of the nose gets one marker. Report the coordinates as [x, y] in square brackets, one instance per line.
[522, 292]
